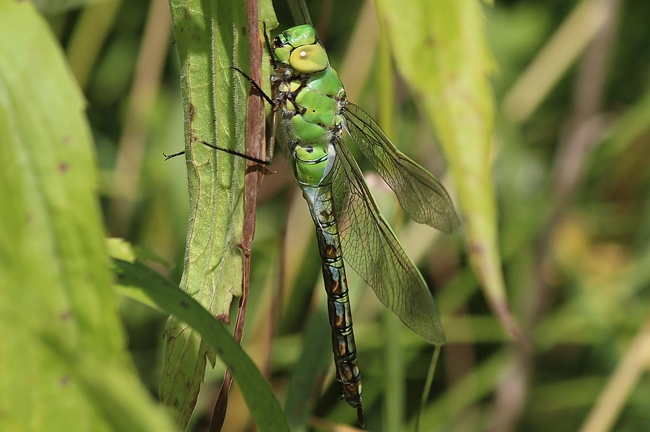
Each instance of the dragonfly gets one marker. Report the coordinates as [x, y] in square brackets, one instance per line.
[310, 113]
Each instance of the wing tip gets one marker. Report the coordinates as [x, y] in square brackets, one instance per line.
[447, 223]
[432, 332]
[454, 224]
[436, 336]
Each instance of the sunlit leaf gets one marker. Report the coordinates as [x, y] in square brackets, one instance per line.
[62, 350]
[440, 49]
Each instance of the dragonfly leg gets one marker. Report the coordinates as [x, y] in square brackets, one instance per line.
[236, 153]
[255, 85]
[167, 157]
[269, 49]
[270, 145]
[232, 152]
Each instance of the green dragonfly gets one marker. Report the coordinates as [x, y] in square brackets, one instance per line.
[310, 102]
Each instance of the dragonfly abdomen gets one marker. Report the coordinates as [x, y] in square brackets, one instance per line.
[338, 303]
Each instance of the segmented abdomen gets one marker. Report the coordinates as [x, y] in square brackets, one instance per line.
[336, 286]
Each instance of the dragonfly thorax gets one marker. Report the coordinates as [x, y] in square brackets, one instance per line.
[310, 107]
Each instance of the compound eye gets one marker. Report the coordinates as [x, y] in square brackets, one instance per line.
[309, 58]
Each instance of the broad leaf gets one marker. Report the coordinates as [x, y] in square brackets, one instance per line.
[62, 351]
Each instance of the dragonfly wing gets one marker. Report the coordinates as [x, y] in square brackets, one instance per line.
[419, 193]
[372, 250]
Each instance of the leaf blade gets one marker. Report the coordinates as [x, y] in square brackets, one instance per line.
[440, 49]
[258, 394]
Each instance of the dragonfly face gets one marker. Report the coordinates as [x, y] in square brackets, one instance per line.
[298, 49]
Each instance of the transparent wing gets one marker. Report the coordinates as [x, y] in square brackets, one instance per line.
[372, 250]
[419, 193]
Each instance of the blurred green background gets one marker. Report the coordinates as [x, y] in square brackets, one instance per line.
[571, 177]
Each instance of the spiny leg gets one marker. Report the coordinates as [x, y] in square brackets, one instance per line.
[242, 155]
[167, 157]
[232, 152]
[270, 145]
[269, 49]
[255, 85]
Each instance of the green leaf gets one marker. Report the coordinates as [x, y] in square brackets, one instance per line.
[210, 38]
[440, 49]
[263, 404]
[213, 113]
[62, 351]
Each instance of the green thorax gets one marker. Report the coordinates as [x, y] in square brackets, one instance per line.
[311, 98]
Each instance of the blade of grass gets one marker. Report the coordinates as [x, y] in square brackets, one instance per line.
[144, 92]
[610, 403]
[553, 61]
[261, 401]
[307, 377]
[89, 36]
[394, 391]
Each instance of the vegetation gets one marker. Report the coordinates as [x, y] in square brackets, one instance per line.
[539, 112]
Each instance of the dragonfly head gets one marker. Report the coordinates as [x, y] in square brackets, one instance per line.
[299, 49]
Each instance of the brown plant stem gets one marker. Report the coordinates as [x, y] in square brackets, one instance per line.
[255, 138]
